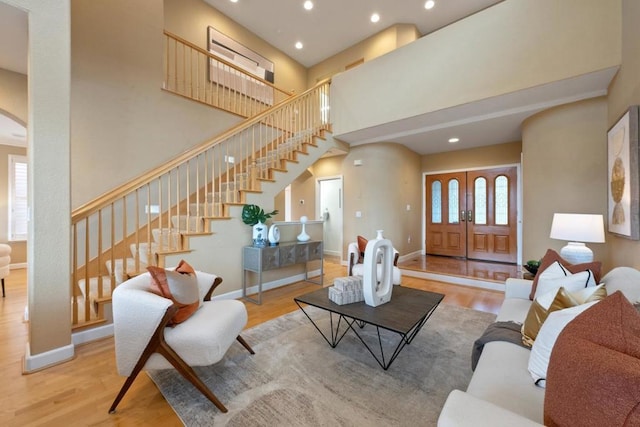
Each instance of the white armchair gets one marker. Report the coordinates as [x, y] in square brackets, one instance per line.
[143, 341]
[5, 263]
[355, 267]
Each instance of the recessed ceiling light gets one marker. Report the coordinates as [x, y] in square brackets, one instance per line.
[429, 4]
[308, 5]
[234, 1]
[375, 18]
[454, 140]
[299, 45]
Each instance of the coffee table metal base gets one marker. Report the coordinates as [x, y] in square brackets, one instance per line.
[336, 335]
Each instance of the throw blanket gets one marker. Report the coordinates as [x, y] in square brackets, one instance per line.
[498, 331]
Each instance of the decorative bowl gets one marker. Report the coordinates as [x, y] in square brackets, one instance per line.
[532, 266]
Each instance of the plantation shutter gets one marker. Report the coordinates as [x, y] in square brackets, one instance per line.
[18, 206]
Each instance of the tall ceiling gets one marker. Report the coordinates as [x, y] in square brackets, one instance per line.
[334, 25]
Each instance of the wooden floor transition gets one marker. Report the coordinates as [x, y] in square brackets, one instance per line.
[462, 267]
[79, 392]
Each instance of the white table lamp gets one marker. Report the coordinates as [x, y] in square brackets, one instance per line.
[577, 229]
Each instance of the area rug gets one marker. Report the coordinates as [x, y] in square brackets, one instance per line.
[296, 379]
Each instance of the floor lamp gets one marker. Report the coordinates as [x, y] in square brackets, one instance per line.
[577, 229]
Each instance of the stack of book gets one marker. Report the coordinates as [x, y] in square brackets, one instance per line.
[346, 290]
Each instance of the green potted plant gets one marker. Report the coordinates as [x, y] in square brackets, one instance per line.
[255, 216]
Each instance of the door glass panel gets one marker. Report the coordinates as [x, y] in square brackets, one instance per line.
[436, 202]
[480, 201]
[454, 194]
[502, 200]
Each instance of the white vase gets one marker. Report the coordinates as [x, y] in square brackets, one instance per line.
[303, 236]
[260, 235]
[376, 288]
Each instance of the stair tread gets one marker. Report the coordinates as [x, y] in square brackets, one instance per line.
[217, 217]
[174, 251]
[196, 233]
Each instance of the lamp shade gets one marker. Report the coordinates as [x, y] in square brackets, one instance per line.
[577, 227]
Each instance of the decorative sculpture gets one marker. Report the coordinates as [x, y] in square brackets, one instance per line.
[303, 236]
[377, 293]
[274, 235]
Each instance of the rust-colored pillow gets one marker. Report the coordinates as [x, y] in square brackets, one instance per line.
[180, 286]
[552, 256]
[594, 370]
[362, 245]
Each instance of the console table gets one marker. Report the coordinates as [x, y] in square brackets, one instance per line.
[257, 260]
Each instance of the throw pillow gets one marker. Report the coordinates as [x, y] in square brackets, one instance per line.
[543, 345]
[362, 245]
[180, 286]
[594, 370]
[552, 256]
[571, 282]
[540, 309]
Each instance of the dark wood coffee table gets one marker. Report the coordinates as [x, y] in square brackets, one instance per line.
[406, 313]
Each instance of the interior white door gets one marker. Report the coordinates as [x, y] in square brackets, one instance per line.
[330, 211]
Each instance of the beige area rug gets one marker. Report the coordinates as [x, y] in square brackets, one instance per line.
[296, 379]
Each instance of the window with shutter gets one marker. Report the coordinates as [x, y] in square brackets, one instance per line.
[18, 205]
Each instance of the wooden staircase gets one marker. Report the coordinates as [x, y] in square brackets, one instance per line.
[156, 216]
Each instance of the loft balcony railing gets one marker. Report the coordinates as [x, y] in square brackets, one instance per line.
[120, 233]
[202, 76]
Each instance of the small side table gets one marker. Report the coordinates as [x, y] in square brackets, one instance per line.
[257, 260]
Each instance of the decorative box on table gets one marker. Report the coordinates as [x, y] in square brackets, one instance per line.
[346, 290]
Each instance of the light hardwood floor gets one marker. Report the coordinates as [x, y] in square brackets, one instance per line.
[79, 392]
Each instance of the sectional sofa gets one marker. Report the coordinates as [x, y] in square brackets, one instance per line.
[502, 391]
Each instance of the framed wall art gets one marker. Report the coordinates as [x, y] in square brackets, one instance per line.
[244, 58]
[623, 177]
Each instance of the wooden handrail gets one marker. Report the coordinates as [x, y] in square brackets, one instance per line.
[110, 196]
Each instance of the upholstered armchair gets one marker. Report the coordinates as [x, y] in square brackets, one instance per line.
[355, 255]
[143, 339]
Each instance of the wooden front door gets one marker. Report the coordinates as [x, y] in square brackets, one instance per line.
[484, 225]
[446, 204]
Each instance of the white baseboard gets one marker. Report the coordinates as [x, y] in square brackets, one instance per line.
[33, 363]
[17, 265]
[269, 285]
[83, 337]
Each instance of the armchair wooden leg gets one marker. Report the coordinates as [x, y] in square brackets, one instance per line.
[157, 344]
[245, 344]
[3, 287]
[188, 372]
[152, 345]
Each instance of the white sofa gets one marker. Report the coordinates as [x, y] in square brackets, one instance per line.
[501, 391]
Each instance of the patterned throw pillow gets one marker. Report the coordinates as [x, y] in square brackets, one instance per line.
[556, 276]
[552, 256]
[554, 300]
[180, 286]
